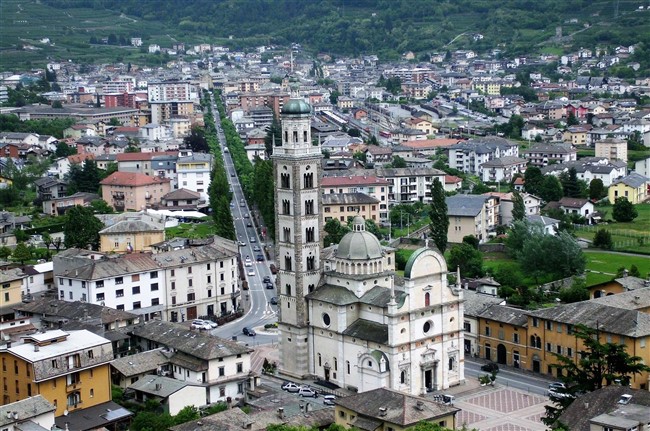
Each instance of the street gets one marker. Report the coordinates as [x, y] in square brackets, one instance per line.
[255, 301]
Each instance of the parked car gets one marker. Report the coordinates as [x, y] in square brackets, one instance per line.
[246, 215]
[244, 285]
[256, 248]
[248, 261]
[490, 367]
[268, 285]
[274, 300]
[249, 331]
[290, 387]
[212, 324]
[200, 324]
[242, 243]
[266, 279]
[249, 224]
[273, 268]
[328, 400]
[307, 392]
[259, 258]
[251, 272]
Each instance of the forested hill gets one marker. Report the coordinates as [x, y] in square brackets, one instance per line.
[390, 27]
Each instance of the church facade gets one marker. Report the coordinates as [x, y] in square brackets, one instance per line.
[345, 316]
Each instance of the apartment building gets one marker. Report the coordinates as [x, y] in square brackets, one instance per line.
[70, 369]
[130, 232]
[471, 215]
[470, 155]
[541, 155]
[502, 169]
[193, 173]
[130, 191]
[222, 367]
[273, 100]
[11, 282]
[409, 185]
[612, 149]
[175, 285]
[169, 99]
[342, 206]
[367, 184]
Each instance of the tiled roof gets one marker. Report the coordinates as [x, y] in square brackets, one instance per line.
[140, 363]
[465, 205]
[348, 198]
[132, 179]
[367, 330]
[352, 181]
[400, 408]
[25, 409]
[505, 314]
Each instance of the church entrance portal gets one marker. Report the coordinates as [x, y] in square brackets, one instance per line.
[327, 374]
[501, 354]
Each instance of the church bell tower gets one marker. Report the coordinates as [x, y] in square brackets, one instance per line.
[297, 171]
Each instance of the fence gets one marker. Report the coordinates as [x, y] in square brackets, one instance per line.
[622, 238]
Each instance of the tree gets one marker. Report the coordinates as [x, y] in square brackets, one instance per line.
[623, 210]
[634, 271]
[64, 150]
[576, 293]
[188, 413]
[471, 240]
[533, 179]
[571, 120]
[597, 189]
[468, 259]
[603, 239]
[438, 215]
[569, 181]
[334, 97]
[334, 232]
[57, 104]
[599, 364]
[5, 252]
[398, 162]
[196, 140]
[550, 189]
[100, 206]
[81, 228]
[273, 137]
[21, 253]
[518, 207]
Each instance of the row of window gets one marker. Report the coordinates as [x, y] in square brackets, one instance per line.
[351, 208]
[310, 263]
[307, 180]
[309, 207]
[310, 234]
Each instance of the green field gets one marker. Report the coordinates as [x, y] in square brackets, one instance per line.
[633, 236]
[191, 230]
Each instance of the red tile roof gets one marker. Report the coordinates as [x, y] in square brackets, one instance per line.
[80, 158]
[355, 180]
[431, 143]
[132, 179]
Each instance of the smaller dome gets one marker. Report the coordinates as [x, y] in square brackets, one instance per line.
[359, 244]
[296, 107]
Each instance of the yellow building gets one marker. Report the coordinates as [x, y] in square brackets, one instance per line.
[502, 335]
[575, 135]
[69, 369]
[550, 331]
[10, 295]
[618, 285]
[342, 206]
[389, 410]
[131, 232]
[634, 187]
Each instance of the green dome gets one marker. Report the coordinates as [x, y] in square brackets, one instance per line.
[296, 107]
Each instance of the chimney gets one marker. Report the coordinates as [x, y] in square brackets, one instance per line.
[15, 415]
[158, 386]
[419, 405]
[382, 411]
[36, 348]
[281, 412]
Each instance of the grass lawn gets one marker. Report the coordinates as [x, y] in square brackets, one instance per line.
[191, 230]
[633, 236]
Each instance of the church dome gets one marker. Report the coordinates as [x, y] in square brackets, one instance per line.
[296, 107]
[359, 244]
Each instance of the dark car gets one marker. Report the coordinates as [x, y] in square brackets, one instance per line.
[490, 367]
[259, 258]
[273, 268]
[249, 224]
[274, 300]
[249, 331]
[268, 285]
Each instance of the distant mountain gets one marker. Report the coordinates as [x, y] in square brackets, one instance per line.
[390, 27]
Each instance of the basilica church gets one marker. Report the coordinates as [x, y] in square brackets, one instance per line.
[345, 316]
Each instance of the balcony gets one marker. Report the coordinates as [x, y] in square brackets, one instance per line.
[118, 196]
[72, 387]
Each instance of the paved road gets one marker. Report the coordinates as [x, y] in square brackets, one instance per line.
[256, 300]
[528, 382]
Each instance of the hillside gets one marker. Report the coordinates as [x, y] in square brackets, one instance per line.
[340, 27]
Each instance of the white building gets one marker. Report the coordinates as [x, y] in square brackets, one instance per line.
[470, 155]
[410, 185]
[175, 285]
[344, 317]
[33, 413]
[193, 173]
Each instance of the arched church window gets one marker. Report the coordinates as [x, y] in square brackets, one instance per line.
[402, 377]
[427, 299]
[320, 360]
[347, 366]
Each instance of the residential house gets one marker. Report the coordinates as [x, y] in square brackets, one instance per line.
[531, 131]
[181, 199]
[612, 149]
[453, 183]
[125, 191]
[576, 135]
[409, 185]
[541, 155]
[627, 283]
[402, 135]
[378, 156]
[475, 303]
[550, 226]
[430, 147]
[502, 169]
[11, 293]
[58, 206]
[368, 184]
[193, 173]
[608, 408]
[39, 279]
[385, 409]
[33, 413]
[471, 215]
[130, 232]
[221, 367]
[641, 167]
[421, 124]
[127, 370]
[69, 369]
[503, 335]
[591, 168]
[171, 394]
[634, 187]
[48, 188]
[343, 206]
[579, 206]
[532, 205]
[483, 285]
